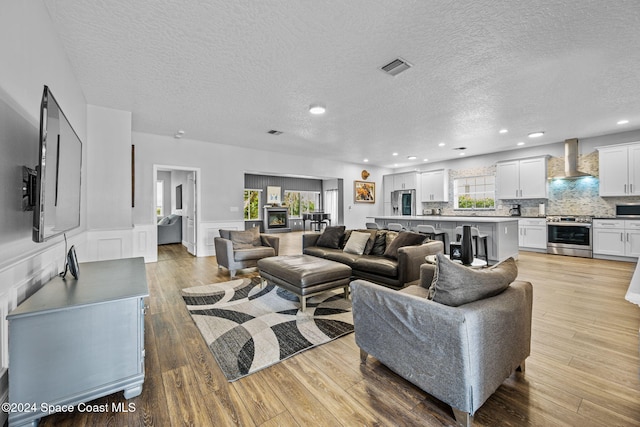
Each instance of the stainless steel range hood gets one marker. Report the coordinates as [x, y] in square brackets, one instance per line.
[571, 161]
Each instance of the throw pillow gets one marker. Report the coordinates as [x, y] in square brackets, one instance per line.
[245, 239]
[164, 221]
[372, 239]
[390, 236]
[330, 237]
[357, 242]
[405, 238]
[380, 244]
[454, 284]
[345, 238]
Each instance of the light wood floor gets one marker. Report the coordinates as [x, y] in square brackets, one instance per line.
[583, 370]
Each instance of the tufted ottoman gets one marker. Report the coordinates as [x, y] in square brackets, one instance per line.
[305, 275]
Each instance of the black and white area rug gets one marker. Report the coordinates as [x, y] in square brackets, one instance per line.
[248, 328]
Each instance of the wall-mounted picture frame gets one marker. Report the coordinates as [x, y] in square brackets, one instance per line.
[273, 195]
[364, 192]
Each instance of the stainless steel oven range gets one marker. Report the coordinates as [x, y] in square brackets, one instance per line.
[570, 235]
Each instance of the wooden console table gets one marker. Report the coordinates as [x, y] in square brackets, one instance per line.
[76, 340]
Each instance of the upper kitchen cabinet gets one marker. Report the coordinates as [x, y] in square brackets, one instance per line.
[618, 166]
[522, 179]
[434, 186]
[405, 181]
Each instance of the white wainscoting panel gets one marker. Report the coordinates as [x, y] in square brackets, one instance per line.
[145, 242]
[109, 244]
[209, 230]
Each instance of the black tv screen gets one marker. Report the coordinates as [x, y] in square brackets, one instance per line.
[57, 204]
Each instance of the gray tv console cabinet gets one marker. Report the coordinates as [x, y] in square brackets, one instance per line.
[76, 340]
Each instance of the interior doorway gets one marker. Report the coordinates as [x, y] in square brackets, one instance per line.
[177, 193]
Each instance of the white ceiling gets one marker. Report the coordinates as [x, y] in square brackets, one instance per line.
[227, 71]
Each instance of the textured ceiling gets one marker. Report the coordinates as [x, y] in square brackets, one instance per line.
[227, 71]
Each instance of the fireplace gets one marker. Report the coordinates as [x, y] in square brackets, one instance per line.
[276, 219]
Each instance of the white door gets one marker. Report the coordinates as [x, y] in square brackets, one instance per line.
[191, 213]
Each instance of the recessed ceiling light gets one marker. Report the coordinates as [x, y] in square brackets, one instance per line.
[442, 144]
[411, 157]
[623, 122]
[317, 109]
[536, 134]
[520, 143]
[394, 154]
[503, 131]
[179, 134]
[395, 165]
[425, 160]
[463, 153]
[365, 160]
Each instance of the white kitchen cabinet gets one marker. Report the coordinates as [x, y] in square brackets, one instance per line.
[522, 179]
[619, 170]
[616, 237]
[532, 233]
[434, 186]
[405, 181]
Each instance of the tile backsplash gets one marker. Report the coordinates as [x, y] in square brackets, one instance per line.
[578, 196]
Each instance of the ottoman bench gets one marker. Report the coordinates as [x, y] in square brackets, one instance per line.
[305, 275]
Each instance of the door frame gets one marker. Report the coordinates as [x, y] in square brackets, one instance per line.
[198, 197]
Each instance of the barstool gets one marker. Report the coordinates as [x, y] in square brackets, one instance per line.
[431, 231]
[395, 226]
[372, 226]
[475, 235]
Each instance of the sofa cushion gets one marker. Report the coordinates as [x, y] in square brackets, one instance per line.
[380, 243]
[330, 237]
[357, 242]
[245, 239]
[405, 238]
[454, 284]
[372, 239]
[343, 257]
[253, 252]
[373, 264]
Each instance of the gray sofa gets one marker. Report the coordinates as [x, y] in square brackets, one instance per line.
[244, 255]
[459, 355]
[170, 229]
[393, 273]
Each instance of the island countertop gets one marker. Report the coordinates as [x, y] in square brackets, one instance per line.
[447, 218]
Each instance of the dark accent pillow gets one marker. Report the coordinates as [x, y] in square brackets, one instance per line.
[405, 238]
[454, 284]
[345, 238]
[330, 237]
[380, 244]
[245, 239]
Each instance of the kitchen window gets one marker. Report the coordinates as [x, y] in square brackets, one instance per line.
[476, 192]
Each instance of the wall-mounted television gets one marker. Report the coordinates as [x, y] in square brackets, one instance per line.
[56, 180]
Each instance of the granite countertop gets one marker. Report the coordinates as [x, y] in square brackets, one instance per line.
[453, 218]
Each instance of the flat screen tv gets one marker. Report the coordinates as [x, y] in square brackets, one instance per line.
[57, 177]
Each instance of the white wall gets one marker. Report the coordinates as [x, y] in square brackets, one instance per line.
[32, 56]
[109, 169]
[222, 181]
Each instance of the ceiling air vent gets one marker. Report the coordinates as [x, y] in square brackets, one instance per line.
[274, 132]
[396, 66]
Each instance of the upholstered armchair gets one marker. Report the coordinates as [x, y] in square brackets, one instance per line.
[170, 229]
[458, 354]
[243, 249]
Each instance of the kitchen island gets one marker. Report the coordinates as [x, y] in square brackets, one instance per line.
[502, 232]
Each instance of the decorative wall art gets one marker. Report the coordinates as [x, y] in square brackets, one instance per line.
[365, 192]
[273, 195]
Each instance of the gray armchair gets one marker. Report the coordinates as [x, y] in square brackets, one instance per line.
[170, 229]
[459, 355]
[245, 257]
